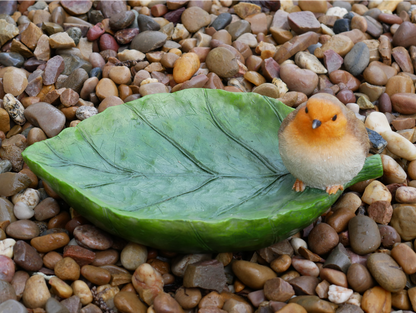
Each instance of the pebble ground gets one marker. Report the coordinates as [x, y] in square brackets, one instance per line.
[64, 61]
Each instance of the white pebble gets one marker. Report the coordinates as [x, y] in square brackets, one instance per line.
[392, 171]
[148, 81]
[353, 107]
[22, 211]
[355, 299]
[338, 294]
[29, 196]
[305, 267]
[297, 243]
[376, 191]
[378, 122]
[399, 145]
[6, 247]
[337, 11]
[326, 30]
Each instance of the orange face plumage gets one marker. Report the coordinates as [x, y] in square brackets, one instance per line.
[320, 121]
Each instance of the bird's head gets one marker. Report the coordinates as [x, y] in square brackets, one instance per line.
[322, 118]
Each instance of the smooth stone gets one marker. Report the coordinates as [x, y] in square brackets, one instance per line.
[54, 306]
[36, 293]
[23, 229]
[359, 278]
[133, 255]
[298, 79]
[403, 220]
[106, 88]
[375, 75]
[251, 274]
[148, 41]
[7, 292]
[341, 44]
[314, 304]
[404, 103]
[12, 183]
[92, 237]
[238, 28]
[121, 20]
[11, 59]
[49, 242]
[222, 62]
[109, 8]
[12, 306]
[14, 82]
[76, 80]
[8, 7]
[47, 117]
[222, 21]
[386, 272]
[322, 239]
[27, 257]
[129, 302]
[364, 235]
[152, 88]
[405, 35]
[296, 44]
[147, 23]
[7, 269]
[357, 59]
[194, 18]
[125, 36]
[376, 299]
[341, 25]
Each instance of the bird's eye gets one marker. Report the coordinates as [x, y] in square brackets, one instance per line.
[306, 110]
[334, 118]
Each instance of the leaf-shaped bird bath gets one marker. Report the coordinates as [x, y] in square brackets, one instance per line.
[193, 171]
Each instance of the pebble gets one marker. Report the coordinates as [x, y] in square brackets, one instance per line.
[357, 59]
[251, 274]
[147, 282]
[386, 272]
[129, 302]
[11, 59]
[14, 82]
[185, 67]
[302, 22]
[36, 292]
[12, 306]
[148, 41]
[376, 299]
[47, 117]
[364, 234]
[92, 237]
[27, 257]
[133, 255]
[23, 229]
[50, 242]
[106, 88]
[297, 79]
[359, 278]
[222, 62]
[82, 291]
[322, 239]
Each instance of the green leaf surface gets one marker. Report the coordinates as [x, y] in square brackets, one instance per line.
[193, 171]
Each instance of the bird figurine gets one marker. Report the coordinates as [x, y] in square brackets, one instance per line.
[323, 144]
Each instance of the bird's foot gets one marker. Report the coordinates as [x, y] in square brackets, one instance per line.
[333, 189]
[298, 186]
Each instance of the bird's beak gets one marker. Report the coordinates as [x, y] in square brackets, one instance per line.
[316, 124]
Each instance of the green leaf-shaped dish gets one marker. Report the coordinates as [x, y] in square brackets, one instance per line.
[193, 171]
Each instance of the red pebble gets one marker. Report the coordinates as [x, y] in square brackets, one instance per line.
[95, 32]
[107, 42]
